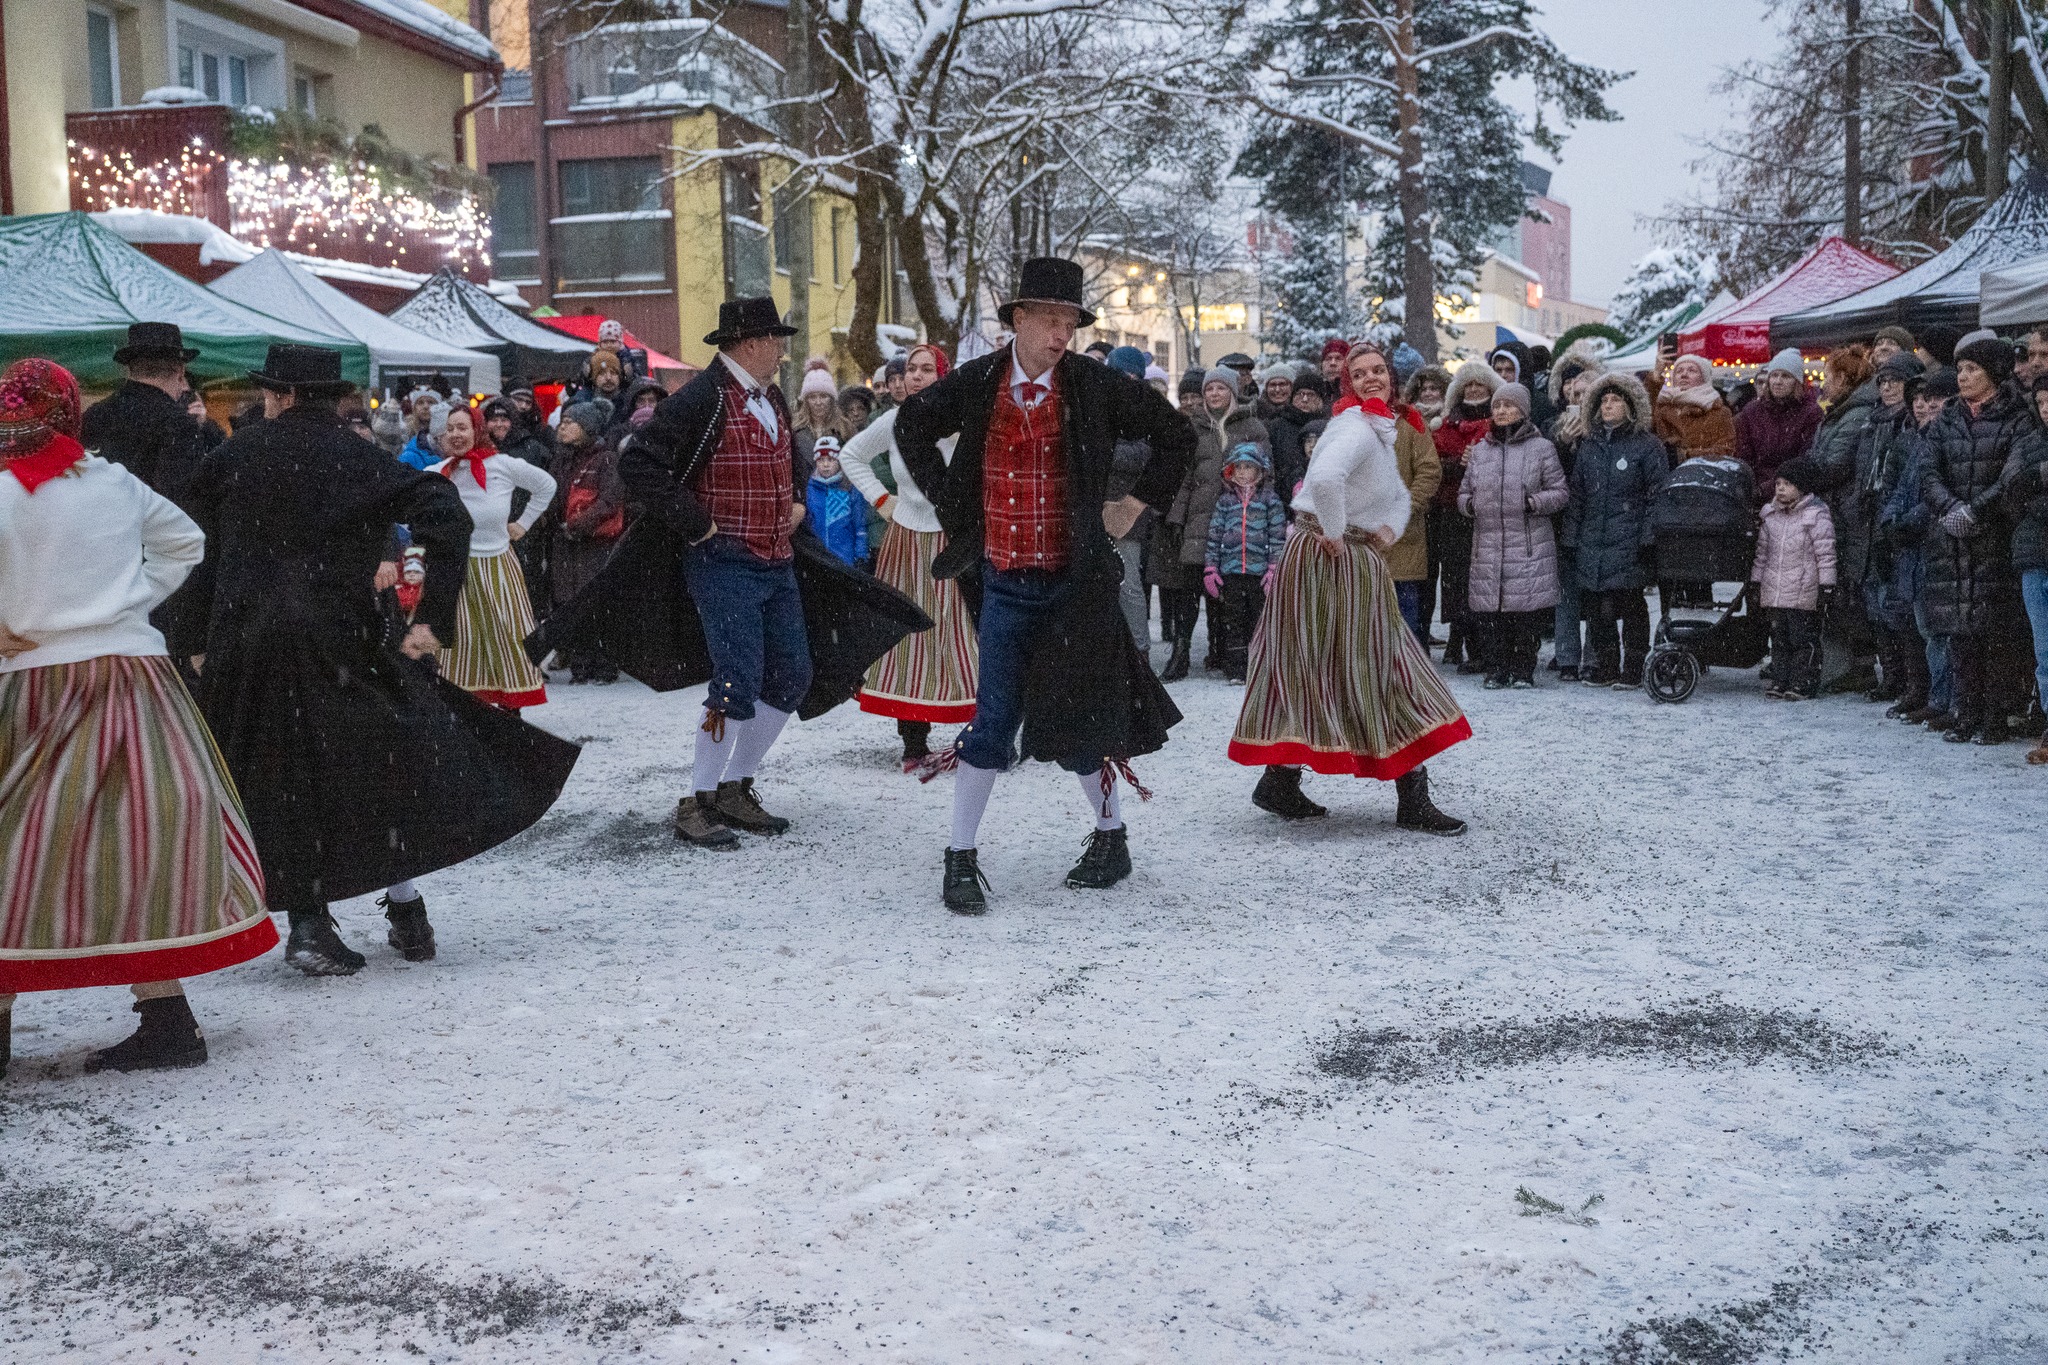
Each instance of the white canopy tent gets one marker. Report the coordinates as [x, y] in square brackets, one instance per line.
[2015, 295]
[273, 283]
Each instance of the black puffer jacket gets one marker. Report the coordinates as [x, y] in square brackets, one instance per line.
[1616, 473]
[2026, 499]
[1970, 588]
[1880, 459]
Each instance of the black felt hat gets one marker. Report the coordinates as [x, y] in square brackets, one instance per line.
[148, 340]
[1048, 279]
[311, 370]
[739, 319]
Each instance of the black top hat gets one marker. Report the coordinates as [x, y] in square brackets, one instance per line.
[314, 371]
[155, 339]
[1048, 279]
[739, 319]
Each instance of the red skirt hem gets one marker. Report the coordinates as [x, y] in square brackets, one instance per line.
[1294, 754]
[513, 701]
[936, 712]
[144, 963]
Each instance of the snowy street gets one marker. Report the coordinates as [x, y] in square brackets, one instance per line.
[1719, 1038]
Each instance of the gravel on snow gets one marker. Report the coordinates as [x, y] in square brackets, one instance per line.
[1718, 1039]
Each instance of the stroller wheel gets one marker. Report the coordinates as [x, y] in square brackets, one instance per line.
[1671, 675]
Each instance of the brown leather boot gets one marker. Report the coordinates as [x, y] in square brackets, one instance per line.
[737, 805]
[698, 823]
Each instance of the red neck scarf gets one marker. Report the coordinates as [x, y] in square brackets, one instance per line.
[34, 470]
[474, 457]
[1377, 407]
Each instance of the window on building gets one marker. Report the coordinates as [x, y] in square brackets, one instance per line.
[515, 223]
[613, 232]
[103, 58]
[748, 269]
[225, 61]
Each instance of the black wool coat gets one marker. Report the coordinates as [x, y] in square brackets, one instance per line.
[1089, 695]
[637, 612]
[358, 767]
[145, 430]
[1970, 586]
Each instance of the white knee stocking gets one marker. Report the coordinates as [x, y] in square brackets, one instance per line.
[971, 789]
[756, 737]
[714, 751]
[1104, 806]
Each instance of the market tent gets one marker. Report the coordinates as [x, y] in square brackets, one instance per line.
[1740, 332]
[2015, 295]
[398, 354]
[459, 313]
[1641, 352]
[73, 287]
[1941, 292]
[584, 328]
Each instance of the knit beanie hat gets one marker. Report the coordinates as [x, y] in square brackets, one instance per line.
[1223, 375]
[1801, 473]
[1191, 380]
[818, 378]
[1153, 372]
[823, 446]
[1940, 383]
[1905, 366]
[1246, 452]
[38, 400]
[1334, 346]
[1518, 394]
[593, 415]
[1282, 370]
[611, 329]
[1899, 334]
[1788, 361]
[895, 364]
[1993, 356]
[1129, 359]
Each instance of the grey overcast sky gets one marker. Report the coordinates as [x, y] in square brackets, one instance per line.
[1612, 172]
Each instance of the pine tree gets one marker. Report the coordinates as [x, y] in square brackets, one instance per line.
[1666, 279]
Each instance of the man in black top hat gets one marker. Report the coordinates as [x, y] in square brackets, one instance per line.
[143, 425]
[1030, 533]
[360, 768]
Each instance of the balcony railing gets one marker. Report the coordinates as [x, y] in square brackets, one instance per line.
[667, 62]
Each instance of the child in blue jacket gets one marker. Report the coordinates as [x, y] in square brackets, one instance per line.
[1246, 533]
[837, 513]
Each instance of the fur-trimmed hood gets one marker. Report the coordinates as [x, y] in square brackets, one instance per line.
[1469, 372]
[1630, 388]
[1579, 356]
[1428, 374]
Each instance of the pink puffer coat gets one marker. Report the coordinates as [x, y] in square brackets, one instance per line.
[1511, 492]
[1795, 553]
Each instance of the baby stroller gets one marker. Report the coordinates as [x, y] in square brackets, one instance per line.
[1705, 522]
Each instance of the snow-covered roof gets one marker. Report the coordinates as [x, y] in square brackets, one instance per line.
[425, 19]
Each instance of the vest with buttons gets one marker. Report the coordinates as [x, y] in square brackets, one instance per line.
[1024, 485]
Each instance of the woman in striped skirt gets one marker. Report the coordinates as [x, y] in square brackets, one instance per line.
[128, 862]
[494, 616]
[1337, 682]
[930, 676]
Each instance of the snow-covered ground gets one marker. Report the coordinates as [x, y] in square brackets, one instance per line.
[1719, 1038]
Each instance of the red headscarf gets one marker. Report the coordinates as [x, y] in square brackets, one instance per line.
[475, 456]
[39, 412]
[1373, 407]
[939, 361]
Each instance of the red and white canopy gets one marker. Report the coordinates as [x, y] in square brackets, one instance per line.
[1739, 333]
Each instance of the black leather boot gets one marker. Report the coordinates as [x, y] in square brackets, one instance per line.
[169, 1037]
[1417, 812]
[1105, 862]
[964, 883]
[6, 1039]
[1279, 792]
[410, 933]
[315, 948]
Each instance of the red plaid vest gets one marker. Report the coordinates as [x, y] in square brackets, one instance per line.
[746, 487]
[1024, 485]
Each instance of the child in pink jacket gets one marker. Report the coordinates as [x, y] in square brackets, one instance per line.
[1795, 578]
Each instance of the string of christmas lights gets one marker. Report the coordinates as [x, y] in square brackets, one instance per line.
[336, 211]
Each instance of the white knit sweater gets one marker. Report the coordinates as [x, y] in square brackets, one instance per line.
[912, 510]
[490, 507]
[85, 559]
[1354, 479]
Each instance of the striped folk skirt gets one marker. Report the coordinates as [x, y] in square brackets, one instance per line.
[929, 676]
[1337, 682]
[126, 855]
[488, 659]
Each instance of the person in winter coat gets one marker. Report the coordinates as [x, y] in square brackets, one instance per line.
[1125, 466]
[1971, 589]
[1865, 559]
[586, 524]
[1277, 414]
[1225, 424]
[1513, 486]
[1246, 533]
[817, 412]
[1619, 467]
[1466, 417]
[1780, 424]
[1426, 391]
[1849, 396]
[1903, 525]
[1692, 420]
[504, 432]
[1794, 575]
[2025, 480]
[837, 514]
[143, 425]
[1311, 401]
[1566, 431]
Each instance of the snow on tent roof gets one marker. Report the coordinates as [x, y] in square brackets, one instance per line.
[1941, 292]
[462, 314]
[284, 288]
[1642, 350]
[1740, 332]
[73, 287]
